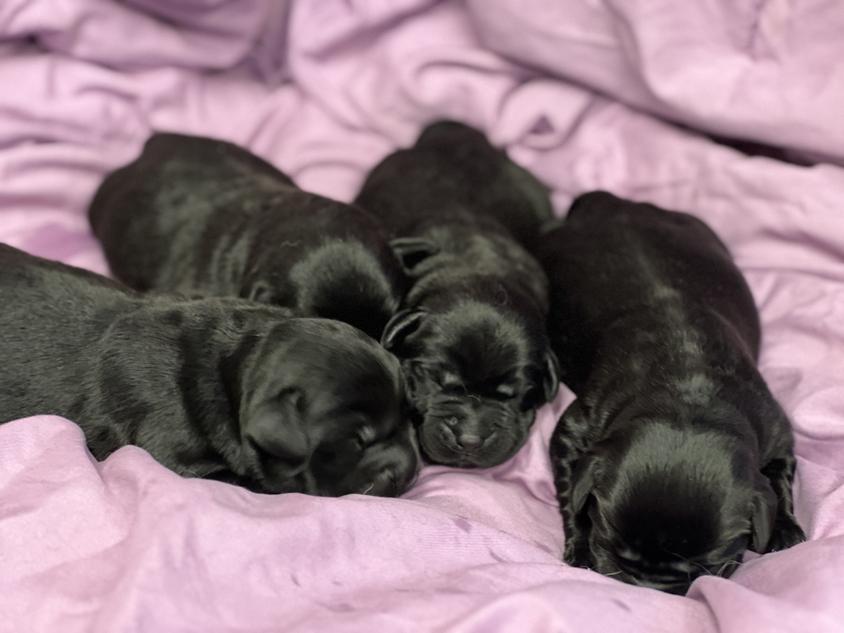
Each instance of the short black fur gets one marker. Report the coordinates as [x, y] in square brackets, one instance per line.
[471, 331]
[200, 215]
[675, 457]
[218, 388]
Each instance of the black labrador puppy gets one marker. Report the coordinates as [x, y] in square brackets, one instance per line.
[218, 388]
[471, 334]
[200, 215]
[675, 458]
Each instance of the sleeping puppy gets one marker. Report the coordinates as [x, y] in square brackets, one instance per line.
[204, 216]
[218, 388]
[675, 458]
[471, 334]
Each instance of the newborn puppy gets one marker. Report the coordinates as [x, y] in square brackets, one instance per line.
[204, 216]
[675, 457]
[217, 388]
[471, 334]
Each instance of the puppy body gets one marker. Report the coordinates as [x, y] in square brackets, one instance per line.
[195, 214]
[471, 333]
[454, 176]
[675, 456]
[217, 388]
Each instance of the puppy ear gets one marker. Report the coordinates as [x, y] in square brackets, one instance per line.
[583, 481]
[764, 515]
[277, 428]
[550, 376]
[411, 251]
[403, 323]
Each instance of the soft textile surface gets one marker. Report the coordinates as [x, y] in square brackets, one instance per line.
[763, 70]
[325, 89]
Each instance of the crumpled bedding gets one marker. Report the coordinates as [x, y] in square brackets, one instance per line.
[324, 90]
[764, 71]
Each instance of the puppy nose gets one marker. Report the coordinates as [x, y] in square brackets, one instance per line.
[469, 440]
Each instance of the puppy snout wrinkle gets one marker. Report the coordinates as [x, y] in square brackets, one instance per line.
[462, 435]
[447, 432]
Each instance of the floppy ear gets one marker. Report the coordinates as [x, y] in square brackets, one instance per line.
[410, 251]
[403, 323]
[550, 376]
[277, 428]
[764, 515]
[583, 481]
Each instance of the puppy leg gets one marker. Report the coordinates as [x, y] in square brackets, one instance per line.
[566, 447]
[577, 551]
[786, 532]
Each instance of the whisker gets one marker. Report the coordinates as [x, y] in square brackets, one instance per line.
[692, 563]
[726, 565]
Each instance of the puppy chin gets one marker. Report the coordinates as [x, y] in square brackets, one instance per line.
[384, 469]
[675, 577]
[677, 588]
[381, 481]
[609, 565]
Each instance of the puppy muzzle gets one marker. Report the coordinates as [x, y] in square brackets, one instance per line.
[469, 435]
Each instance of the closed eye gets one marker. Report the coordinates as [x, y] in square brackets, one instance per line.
[364, 436]
[505, 391]
[450, 380]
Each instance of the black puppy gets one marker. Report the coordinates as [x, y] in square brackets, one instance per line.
[675, 457]
[471, 334]
[200, 215]
[217, 388]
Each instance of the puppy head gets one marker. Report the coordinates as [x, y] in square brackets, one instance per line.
[321, 411]
[665, 505]
[475, 377]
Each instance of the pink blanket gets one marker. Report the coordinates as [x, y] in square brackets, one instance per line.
[325, 89]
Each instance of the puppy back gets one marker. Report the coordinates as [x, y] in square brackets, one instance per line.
[449, 133]
[488, 181]
[454, 174]
[612, 258]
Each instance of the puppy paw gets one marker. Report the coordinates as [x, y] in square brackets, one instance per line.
[575, 554]
[786, 533]
[568, 552]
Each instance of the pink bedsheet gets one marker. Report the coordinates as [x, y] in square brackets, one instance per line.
[324, 89]
[763, 70]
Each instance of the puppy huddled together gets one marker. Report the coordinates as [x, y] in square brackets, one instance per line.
[282, 341]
